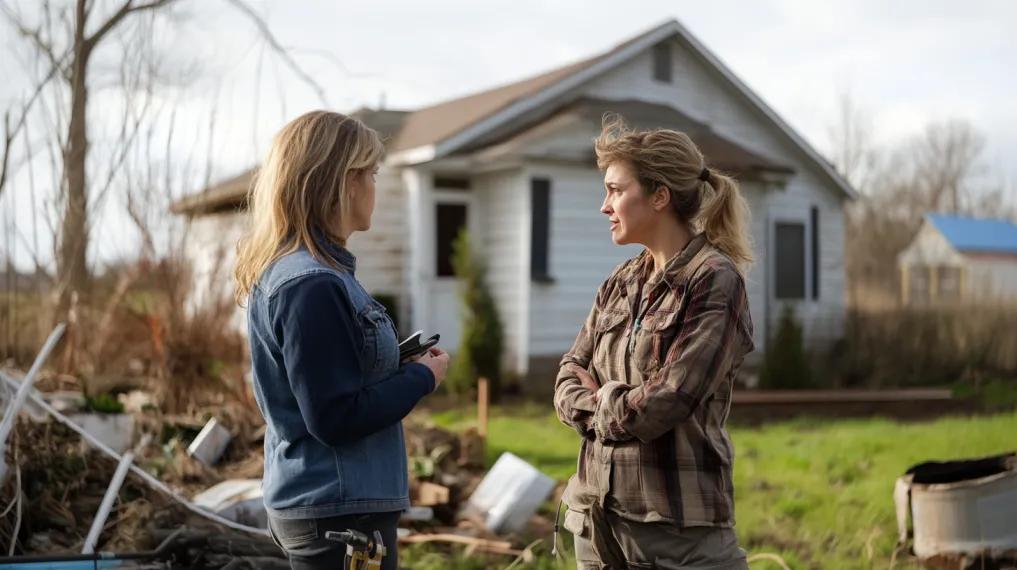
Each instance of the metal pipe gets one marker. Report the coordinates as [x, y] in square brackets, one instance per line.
[107, 503]
[11, 414]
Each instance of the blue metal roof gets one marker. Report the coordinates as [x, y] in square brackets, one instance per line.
[976, 234]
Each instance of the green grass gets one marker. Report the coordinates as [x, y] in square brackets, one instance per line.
[527, 430]
[816, 493]
[996, 394]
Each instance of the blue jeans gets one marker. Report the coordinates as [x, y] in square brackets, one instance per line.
[303, 540]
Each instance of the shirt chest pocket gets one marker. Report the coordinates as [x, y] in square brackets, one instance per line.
[381, 347]
[654, 339]
[609, 342]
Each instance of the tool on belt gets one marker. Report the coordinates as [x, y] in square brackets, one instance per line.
[362, 552]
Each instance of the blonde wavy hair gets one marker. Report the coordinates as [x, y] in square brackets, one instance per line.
[299, 194]
[662, 157]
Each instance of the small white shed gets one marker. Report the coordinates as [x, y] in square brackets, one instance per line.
[957, 258]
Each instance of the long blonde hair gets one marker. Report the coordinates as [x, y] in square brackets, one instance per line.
[300, 192]
[662, 157]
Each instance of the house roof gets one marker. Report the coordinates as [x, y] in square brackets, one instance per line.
[720, 152]
[231, 193]
[982, 235]
[438, 122]
[451, 126]
[441, 130]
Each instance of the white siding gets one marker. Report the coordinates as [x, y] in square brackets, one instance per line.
[212, 241]
[581, 257]
[503, 198]
[929, 248]
[699, 91]
[755, 279]
[380, 251]
[822, 319]
[211, 252]
[993, 278]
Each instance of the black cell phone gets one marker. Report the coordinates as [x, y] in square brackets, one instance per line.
[413, 346]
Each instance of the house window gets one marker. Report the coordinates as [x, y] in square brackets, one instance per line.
[662, 62]
[790, 260]
[919, 284]
[949, 283]
[451, 219]
[814, 230]
[540, 229]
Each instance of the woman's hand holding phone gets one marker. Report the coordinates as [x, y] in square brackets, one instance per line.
[437, 360]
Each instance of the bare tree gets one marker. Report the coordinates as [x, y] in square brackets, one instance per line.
[945, 157]
[854, 153]
[934, 171]
[71, 64]
[67, 38]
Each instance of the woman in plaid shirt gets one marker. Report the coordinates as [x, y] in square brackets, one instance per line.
[648, 381]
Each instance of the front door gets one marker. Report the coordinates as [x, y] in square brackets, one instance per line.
[452, 214]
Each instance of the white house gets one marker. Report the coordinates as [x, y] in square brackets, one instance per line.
[955, 258]
[515, 166]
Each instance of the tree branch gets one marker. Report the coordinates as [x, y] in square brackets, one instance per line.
[263, 28]
[11, 131]
[126, 8]
[35, 35]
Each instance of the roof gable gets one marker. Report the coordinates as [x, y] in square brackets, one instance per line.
[968, 234]
[442, 129]
[451, 126]
[438, 122]
[582, 117]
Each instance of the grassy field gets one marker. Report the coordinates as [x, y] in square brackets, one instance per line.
[816, 493]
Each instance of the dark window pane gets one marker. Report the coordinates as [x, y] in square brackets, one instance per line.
[662, 62]
[451, 218]
[790, 256]
[540, 229]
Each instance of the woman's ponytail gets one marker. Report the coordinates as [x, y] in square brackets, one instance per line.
[724, 218]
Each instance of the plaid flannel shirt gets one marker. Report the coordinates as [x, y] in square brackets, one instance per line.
[665, 353]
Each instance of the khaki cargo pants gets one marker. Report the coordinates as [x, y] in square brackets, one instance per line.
[606, 541]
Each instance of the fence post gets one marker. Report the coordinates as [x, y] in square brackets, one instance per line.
[482, 404]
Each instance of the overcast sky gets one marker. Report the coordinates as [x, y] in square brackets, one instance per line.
[907, 62]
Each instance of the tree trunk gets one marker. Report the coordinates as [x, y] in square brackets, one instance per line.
[72, 268]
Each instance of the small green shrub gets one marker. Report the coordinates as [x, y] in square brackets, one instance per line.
[104, 404]
[786, 365]
[481, 343]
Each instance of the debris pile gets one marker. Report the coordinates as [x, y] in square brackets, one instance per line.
[213, 456]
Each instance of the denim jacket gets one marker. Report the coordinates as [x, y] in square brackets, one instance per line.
[327, 379]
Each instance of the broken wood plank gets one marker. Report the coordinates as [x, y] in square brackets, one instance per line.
[432, 494]
[474, 544]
